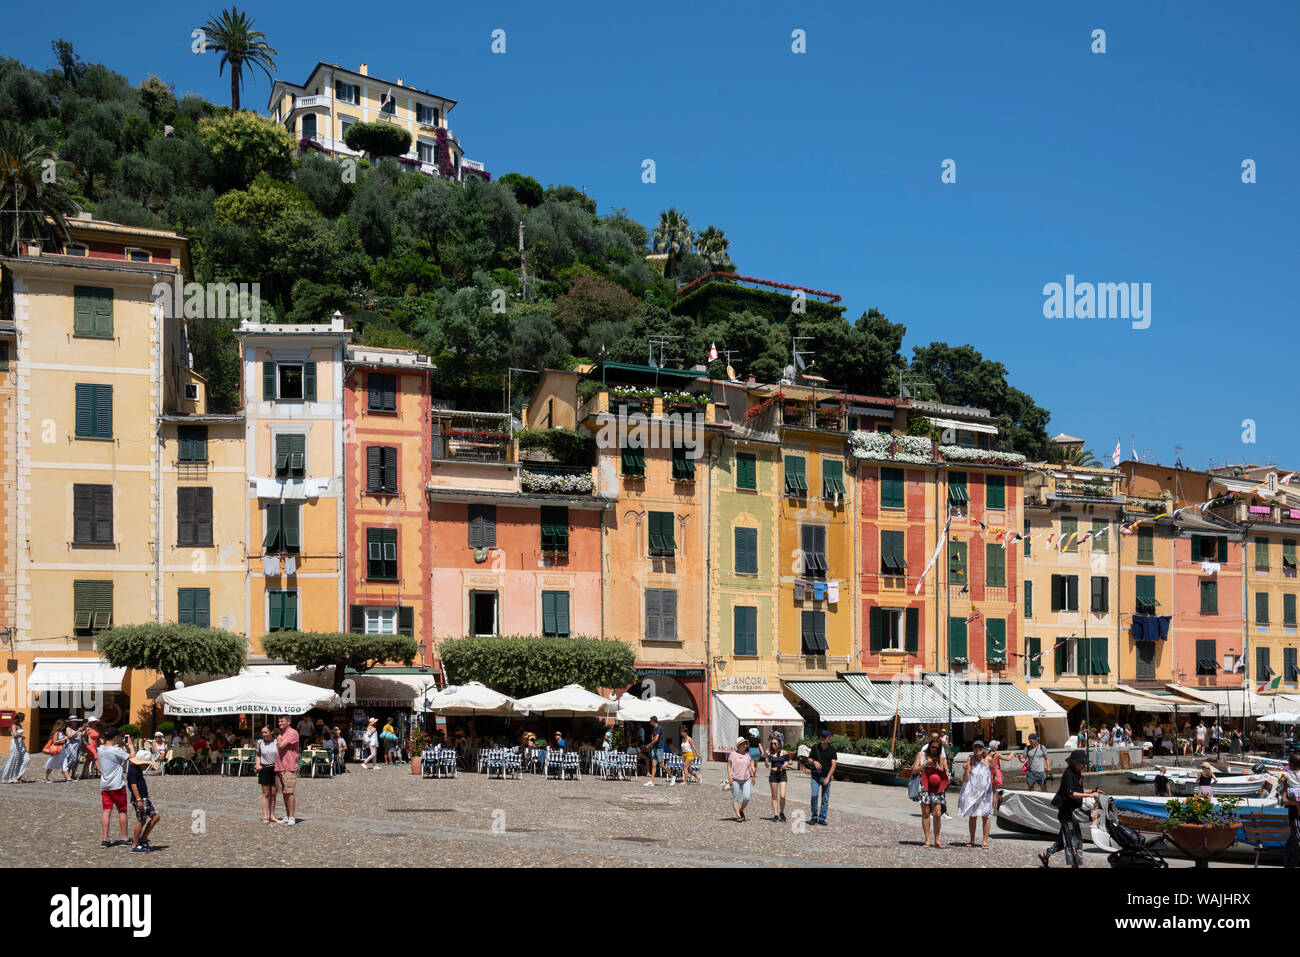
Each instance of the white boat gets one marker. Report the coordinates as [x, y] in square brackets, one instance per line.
[1245, 785]
[1148, 775]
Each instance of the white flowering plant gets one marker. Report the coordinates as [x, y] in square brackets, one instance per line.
[561, 484]
[960, 453]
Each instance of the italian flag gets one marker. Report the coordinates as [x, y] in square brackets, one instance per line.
[1272, 685]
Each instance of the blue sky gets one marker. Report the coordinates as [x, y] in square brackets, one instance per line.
[824, 167]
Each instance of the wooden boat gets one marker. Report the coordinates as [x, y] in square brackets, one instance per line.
[1243, 785]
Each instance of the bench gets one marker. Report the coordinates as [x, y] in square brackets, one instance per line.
[1264, 828]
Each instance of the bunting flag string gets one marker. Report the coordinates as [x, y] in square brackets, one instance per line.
[938, 549]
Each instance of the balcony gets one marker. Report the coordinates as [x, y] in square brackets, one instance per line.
[462, 436]
[549, 478]
[472, 164]
[312, 103]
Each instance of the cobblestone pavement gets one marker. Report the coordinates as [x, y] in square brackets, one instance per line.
[390, 817]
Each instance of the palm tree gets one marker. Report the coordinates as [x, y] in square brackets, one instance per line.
[673, 235]
[1079, 457]
[712, 245]
[34, 196]
[240, 45]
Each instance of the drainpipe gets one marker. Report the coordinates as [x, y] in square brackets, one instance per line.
[157, 462]
[708, 589]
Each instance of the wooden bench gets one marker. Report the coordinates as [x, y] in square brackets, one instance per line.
[1264, 827]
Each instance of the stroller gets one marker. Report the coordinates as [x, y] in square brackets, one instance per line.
[1128, 848]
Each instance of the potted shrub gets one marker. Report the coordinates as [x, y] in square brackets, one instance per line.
[1201, 827]
[419, 741]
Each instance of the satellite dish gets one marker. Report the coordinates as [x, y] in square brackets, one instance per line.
[798, 360]
[180, 685]
[907, 393]
[731, 373]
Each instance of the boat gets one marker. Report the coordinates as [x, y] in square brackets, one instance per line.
[1245, 785]
[1148, 775]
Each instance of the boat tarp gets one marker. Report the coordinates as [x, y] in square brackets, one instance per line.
[1032, 810]
[836, 700]
[1156, 808]
[987, 699]
[915, 701]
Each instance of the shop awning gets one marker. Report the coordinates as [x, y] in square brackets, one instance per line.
[1230, 701]
[1113, 697]
[915, 701]
[1050, 708]
[759, 708]
[986, 699]
[836, 701]
[74, 674]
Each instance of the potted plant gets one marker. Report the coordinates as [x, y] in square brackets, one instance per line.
[1202, 827]
[419, 741]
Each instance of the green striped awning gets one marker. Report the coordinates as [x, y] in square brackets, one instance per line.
[986, 699]
[916, 701]
[837, 701]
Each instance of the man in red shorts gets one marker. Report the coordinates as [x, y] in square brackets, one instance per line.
[113, 756]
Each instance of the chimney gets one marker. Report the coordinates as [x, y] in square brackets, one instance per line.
[399, 81]
[365, 69]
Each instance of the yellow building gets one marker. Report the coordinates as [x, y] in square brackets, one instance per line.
[333, 99]
[293, 396]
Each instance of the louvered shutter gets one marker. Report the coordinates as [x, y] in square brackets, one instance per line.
[83, 513]
[85, 410]
[203, 516]
[268, 379]
[1100, 661]
[891, 488]
[202, 607]
[1261, 607]
[745, 627]
[103, 313]
[1059, 654]
[291, 516]
[912, 633]
[956, 638]
[562, 613]
[1029, 599]
[1058, 592]
[309, 381]
[995, 639]
[357, 619]
[103, 411]
[746, 551]
[1223, 548]
[103, 609]
[807, 632]
[1072, 592]
[185, 606]
[271, 537]
[995, 491]
[83, 322]
[406, 621]
[185, 530]
[746, 471]
[489, 526]
[548, 613]
[653, 625]
[820, 623]
[291, 610]
[390, 469]
[274, 610]
[103, 532]
[374, 468]
[1033, 649]
[876, 617]
[995, 566]
[668, 611]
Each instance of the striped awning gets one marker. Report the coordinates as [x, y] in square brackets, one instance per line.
[916, 702]
[837, 701]
[986, 699]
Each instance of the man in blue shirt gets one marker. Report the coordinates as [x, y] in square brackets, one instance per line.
[656, 748]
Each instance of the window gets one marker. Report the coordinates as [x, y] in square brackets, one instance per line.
[1263, 670]
[813, 541]
[1102, 543]
[4, 355]
[746, 544]
[746, 471]
[832, 478]
[288, 380]
[633, 463]
[426, 152]
[744, 619]
[381, 553]
[382, 389]
[388, 103]
[192, 443]
[74, 249]
[894, 629]
[957, 563]
[282, 610]
[192, 607]
[94, 411]
[426, 115]
[1209, 548]
[1288, 609]
[683, 465]
[282, 527]
[956, 638]
[1209, 598]
[1288, 557]
[1289, 669]
[660, 614]
[555, 614]
[995, 489]
[1028, 542]
[995, 566]
[1029, 599]
[796, 481]
[1261, 608]
[891, 553]
[138, 255]
[1067, 656]
[381, 469]
[995, 640]
[662, 542]
[194, 516]
[555, 528]
[291, 455]
[1065, 593]
[482, 612]
[482, 526]
[1207, 657]
[957, 491]
[1146, 660]
[1033, 657]
[891, 488]
[381, 620]
[1146, 545]
[1096, 661]
[1069, 526]
[1261, 554]
[1145, 586]
[1100, 599]
[347, 92]
[92, 606]
[813, 632]
[345, 124]
[92, 514]
[92, 312]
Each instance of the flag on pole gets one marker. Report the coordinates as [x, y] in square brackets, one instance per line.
[713, 352]
[1114, 457]
[933, 558]
[1286, 480]
[1271, 685]
[386, 98]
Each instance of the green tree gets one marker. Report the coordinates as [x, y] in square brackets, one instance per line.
[592, 299]
[673, 236]
[570, 194]
[310, 650]
[863, 358]
[321, 179]
[619, 219]
[91, 155]
[173, 650]
[522, 666]
[429, 212]
[157, 99]
[712, 245]
[74, 71]
[36, 204]
[242, 146]
[232, 35]
[377, 139]
[535, 340]
[527, 190]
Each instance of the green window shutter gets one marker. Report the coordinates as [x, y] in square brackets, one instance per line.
[1209, 598]
[274, 610]
[103, 308]
[1261, 608]
[957, 491]
[662, 542]
[877, 617]
[1146, 544]
[746, 470]
[1060, 655]
[309, 381]
[746, 551]
[1145, 588]
[85, 413]
[653, 615]
[555, 528]
[744, 630]
[272, 519]
[1198, 548]
[357, 619]
[102, 411]
[291, 610]
[1100, 598]
[1261, 554]
[1071, 592]
[268, 379]
[668, 608]
[996, 491]
[1033, 650]
[995, 567]
[1101, 544]
[891, 553]
[1069, 526]
[185, 606]
[832, 478]
[406, 621]
[891, 488]
[192, 443]
[1029, 599]
[956, 637]
[957, 564]
[562, 613]
[292, 513]
[203, 607]
[185, 516]
[995, 639]
[1100, 663]
[1288, 552]
[548, 613]
[912, 630]
[1058, 592]
[83, 513]
[390, 468]
[83, 322]
[1288, 609]
[795, 476]
[374, 468]
[1223, 549]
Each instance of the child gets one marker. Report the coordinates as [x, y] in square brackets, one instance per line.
[145, 815]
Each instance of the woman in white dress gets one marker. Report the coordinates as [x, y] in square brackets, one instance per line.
[18, 756]
[976, 797]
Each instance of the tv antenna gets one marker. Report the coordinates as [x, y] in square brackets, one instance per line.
[726, 355]
[799, 364]
[908, 383]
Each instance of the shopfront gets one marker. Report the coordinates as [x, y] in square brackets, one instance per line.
[681, 686]
[742, 702]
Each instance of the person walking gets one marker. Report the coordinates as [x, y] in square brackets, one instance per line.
[267, 754]
[1068, 800]
[996, 757]
[388, 739]
[1201, 735]
[91, 747]
[340, 752]
[286, 766]
[54, 748]
[146, 817]
[821, 763]
[1037, 764]
[72, 747]
[689, 754]
[777, 758]
[19, 758]
[656, 750]
[740, 773]
[371, 745]
[112, 782]
[975, 800]
[932, 764]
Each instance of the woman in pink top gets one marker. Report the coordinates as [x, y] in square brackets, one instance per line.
[740, 774]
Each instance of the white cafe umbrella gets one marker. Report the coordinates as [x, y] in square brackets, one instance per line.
[471, 698]
[1283, 717]
[571, 700]
[632, 708]
[251, 693]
